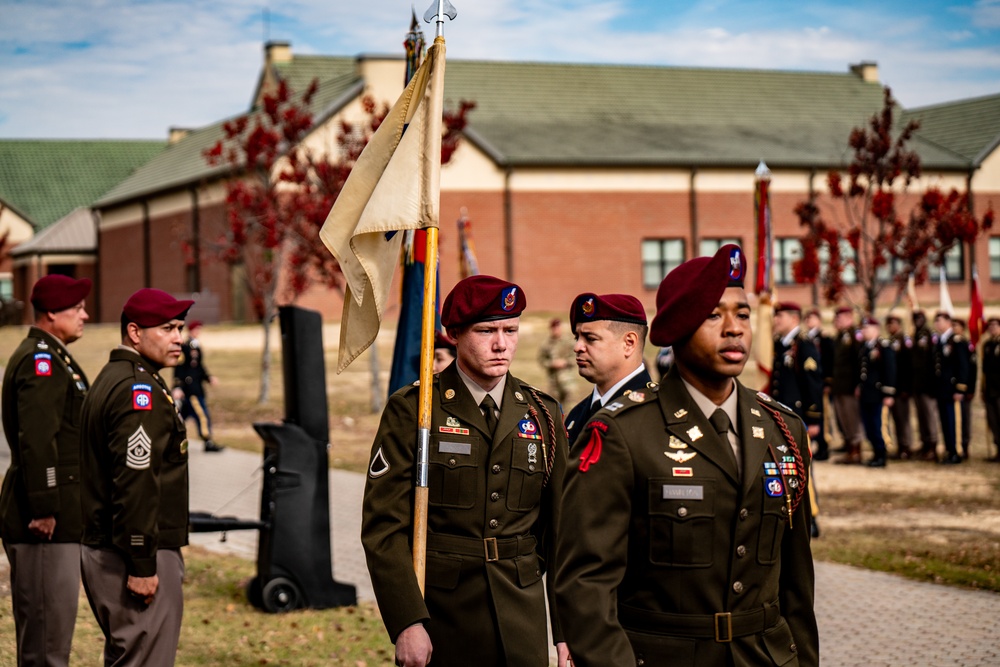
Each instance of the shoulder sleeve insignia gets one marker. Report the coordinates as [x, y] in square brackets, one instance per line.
[142, 397]
[592, 452]
[379, 465]
[43, 364]
[763, 396]
[139, 451]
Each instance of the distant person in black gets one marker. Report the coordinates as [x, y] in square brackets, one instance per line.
[991, 382]
[190, 377]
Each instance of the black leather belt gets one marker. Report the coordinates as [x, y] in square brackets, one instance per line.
[721, 627]
[490, 549]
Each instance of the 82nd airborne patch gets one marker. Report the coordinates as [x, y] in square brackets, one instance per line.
[43, 364]
[142, 397]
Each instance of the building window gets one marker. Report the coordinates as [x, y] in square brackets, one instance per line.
[6, 287]
[708, 247]
[659, 257]
[994, 247]
[849, 273]
[787, 251]
[954, 264]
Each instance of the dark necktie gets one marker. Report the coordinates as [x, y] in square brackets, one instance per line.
[489, 408]
[721, 424]
[594, 407]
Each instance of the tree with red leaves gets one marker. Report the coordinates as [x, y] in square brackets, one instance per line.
[885, 247]
[281, 193]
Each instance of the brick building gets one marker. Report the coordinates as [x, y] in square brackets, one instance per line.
[575, 177]
[46, 188]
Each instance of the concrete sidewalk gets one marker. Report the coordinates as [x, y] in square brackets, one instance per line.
[865, 618]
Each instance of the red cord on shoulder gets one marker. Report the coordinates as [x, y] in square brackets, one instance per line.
[592, 452]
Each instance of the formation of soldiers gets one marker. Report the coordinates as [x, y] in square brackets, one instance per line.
[870, 375]
[652, 523]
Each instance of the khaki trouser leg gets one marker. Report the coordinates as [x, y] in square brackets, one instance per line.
[45, 592]
[135, 634]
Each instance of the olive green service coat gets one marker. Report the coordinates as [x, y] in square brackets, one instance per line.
[43, 392]
[660, 538]
[477, 611]
[134, 464]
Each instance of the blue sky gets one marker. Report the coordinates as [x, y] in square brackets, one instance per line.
[133, 68]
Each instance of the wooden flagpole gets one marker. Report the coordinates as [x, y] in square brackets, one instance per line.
[432, 161]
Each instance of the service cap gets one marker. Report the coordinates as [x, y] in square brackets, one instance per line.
[589, 307]
[152, 307]
[689, 293]
[482, 299]
[56, 292]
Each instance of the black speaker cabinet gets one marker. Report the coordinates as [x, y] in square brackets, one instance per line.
[294, 563]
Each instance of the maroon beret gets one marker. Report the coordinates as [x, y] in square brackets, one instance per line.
[814, 311]
[893, 318]
[195, 324]
[55, 292]
[152, 307]
[869, 321]
[443, 342]
[942, 313]
[482, 299]
[844, 309]
[992, 320]
[590, 307]
[787, 307]
[689, 293]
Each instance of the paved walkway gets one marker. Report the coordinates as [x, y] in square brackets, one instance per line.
[865, 618]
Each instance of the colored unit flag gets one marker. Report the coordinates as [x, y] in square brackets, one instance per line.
[946, 304]
[467, 263]
[975, 309]
[762, 218]
[406, 354]
[394, 186]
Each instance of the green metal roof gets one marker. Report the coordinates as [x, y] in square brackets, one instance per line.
[970, 128]
[566, 114]
[44, 180]
[552, 114]
[184, 162]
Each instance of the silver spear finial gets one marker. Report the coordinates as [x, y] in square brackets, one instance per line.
[440, 9]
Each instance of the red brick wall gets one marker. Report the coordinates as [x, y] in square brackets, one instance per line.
[563, 243]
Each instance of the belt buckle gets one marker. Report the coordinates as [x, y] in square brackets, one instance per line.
[495, 555]
[726, 618]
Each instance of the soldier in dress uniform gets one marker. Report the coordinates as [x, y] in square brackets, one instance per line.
[824, 345]
[190, 377]
[134, 464]
[444, 351]
[497, 459]
[610, 332]
[876, 385]
[556, 356]
[902, 346]
[843, 383]
[991, 382]
[925, 386]
[684, 538]
[43, 391]
[796, 378]
[951, 370]
[970, 392]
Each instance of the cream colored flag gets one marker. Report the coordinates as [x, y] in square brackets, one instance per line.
[946, 304]
[395, 185]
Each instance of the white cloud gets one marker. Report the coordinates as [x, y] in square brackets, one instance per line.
[160, 63]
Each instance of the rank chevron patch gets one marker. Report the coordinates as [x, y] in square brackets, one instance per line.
[139, 450]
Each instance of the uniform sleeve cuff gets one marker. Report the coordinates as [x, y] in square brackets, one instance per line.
[142, 567]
